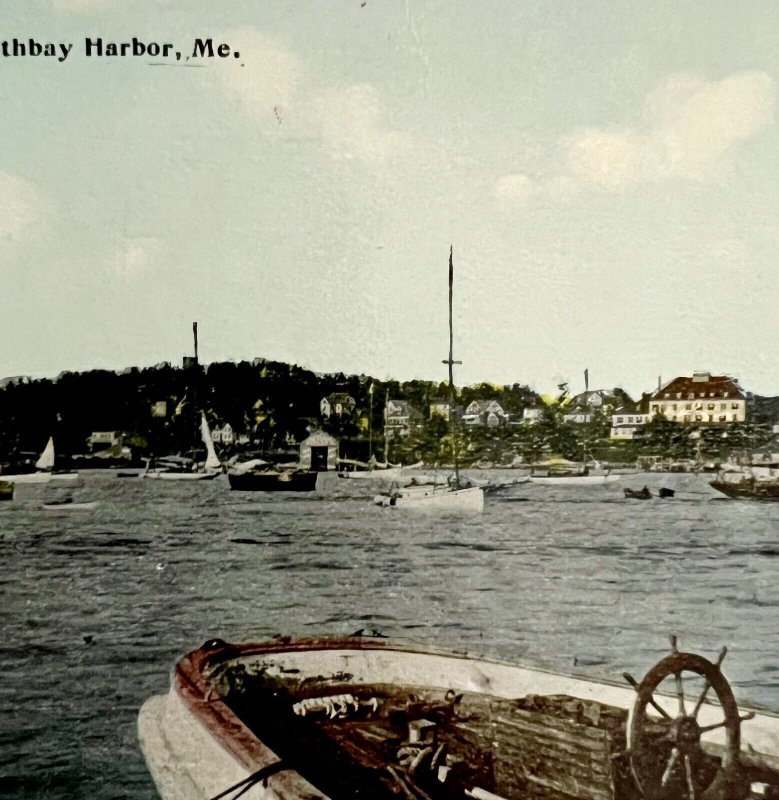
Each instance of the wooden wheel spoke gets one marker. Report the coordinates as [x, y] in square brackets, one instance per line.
[707, 686]
[660, 710]
[701, 700]
[669, 767]
[707, 728]
[680, 693]
[688, 775]
[665, 751]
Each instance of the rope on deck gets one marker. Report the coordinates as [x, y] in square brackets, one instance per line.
[248, 782]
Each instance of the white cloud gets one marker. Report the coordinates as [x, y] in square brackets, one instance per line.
[689, 127]
[135, 257]
[22, 205]
[352, 120]
[264, 79]
[265, 82]
[516, 187]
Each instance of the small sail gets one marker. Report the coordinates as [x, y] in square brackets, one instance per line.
[212, 460]
[46, 461]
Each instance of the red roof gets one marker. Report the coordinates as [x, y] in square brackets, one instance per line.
[699, 386]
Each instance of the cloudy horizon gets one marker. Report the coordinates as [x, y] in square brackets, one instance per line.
[606, 175]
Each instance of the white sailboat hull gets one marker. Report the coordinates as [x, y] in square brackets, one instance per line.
[574, 480]
[87, 506]
[390, 474]
[427, 499]
[31, 477]
[180, 476]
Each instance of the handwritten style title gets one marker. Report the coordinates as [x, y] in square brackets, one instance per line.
[98, 48]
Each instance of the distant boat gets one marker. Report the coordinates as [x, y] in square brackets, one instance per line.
[273, 480]
[68, 504]
[433, 499]
[44, 467]
[178, 468]
[638, 494]
[757, 481]
[452, 496]
[373, 470]
[561, 472]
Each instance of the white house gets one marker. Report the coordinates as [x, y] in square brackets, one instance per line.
[626, 422]
[487, 413]
[337, 403]
[702, 398]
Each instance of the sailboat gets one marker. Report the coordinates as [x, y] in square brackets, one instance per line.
[453, 496]
[175, 470]
[44, 469]
[561, 472]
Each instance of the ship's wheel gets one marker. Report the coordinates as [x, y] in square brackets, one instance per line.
[665, 729]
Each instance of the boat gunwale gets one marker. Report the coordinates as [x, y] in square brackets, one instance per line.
[192, 687]
[216, 651]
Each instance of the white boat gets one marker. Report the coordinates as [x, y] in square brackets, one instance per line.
[173, 468]
[44, 469]
[29, 477]
[70, 505]
[169, 475]
[368, 717]
[453, 496]
[428, 498]
[376, 471]
[573, 480]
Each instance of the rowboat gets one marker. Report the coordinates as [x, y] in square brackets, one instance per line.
[69, 505]
[573, 480]
[372, 470]
[273, 480]
[369, 717]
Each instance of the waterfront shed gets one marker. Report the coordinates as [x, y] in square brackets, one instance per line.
[318, 451]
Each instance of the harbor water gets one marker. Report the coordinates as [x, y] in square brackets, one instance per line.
[98, 604]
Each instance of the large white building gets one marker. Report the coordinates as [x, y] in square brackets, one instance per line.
[703, 399]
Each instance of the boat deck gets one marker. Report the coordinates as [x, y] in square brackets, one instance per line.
[381, 742]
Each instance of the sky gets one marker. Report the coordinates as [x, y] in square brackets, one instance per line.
[605, 172]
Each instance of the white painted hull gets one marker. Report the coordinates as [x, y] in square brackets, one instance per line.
[31, 477]
[64, 477]
[70, 506]
[391, 474]
[180, 476]
[574, 480]
[421, 498]
[196, 748]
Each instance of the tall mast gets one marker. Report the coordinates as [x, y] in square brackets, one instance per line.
[451, 362]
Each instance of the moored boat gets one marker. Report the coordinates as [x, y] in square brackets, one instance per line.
[581, 479]
[42, 471]
[638, 494]
[376, 471]
[68, 504]
[758, 480]
[434, 499]
[375, 718]
[455, 495]
[273, 480]
[748, 488]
